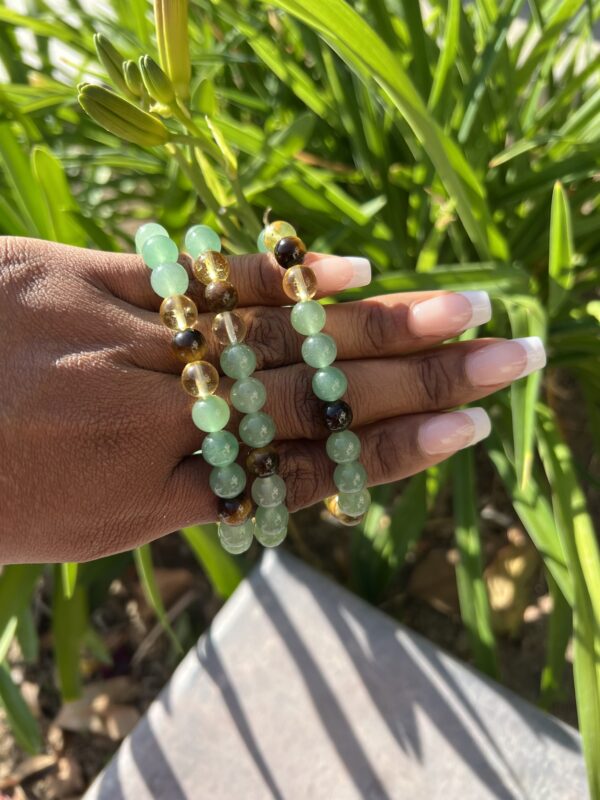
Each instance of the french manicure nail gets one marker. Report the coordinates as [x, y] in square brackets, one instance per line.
[335, 273]
[447, 433]
[448, 314]
[501, 362]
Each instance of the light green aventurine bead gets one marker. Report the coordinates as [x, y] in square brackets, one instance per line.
[268, 492]
[236, 539]
[308, 317]
[210, 414]
[169, 279]
[227, 481]
[238, 361]
[350, 477]
[343, 446]
[220, 448]
[144, 233]
[201, 238]
[260, 242]
[329, 384]
[159, 250]
[319, 350]
[271, 525]
[257, 430]
[248, 395]
[354, 503]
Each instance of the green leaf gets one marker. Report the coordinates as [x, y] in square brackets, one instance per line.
[28, 636]
[448, 51]
[561, 276]
[69, 578]
[20, 719]
[145, 569]
[53, 183]
[69, 623]
[560, 627]
[223, 571]
[17, 584]
[6, 637]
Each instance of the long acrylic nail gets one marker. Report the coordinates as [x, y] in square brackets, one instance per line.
[449, 314]
[502, 362]
[447, 433]
[335, 273]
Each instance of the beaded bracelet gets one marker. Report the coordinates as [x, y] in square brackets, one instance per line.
[329, 383]
[248, 394]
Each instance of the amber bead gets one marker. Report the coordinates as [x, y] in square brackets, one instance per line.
[189, 345]
[221, 296]
[289, 251]
[210, 267]
[178, 312]
[235, 510]
[199, 378]
[229, 328]
[337, 415]
[263, 461]
[331, 504]
[300, 283]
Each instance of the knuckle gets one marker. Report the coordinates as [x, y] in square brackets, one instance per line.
[434, 380]
[308, 407]
[271, 337]
[308, 479]
[376, 325]
[263, 275]
[382, 455]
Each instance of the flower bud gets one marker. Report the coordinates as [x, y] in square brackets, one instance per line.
[157, 84]
[112, 61]
[121, 117]
[133, 78]
[172, 35]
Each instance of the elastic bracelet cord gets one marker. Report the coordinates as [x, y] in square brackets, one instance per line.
[329, 383]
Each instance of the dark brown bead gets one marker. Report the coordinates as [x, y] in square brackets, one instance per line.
[337, 415]
[189, 345]
[290, 251]
[221, 296]
[263, 461]
[235, 510]
[185, 260]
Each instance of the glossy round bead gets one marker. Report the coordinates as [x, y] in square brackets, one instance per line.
[257, 430]
[201, 238]
[220, 448]
[200, 379]
[159, 249]
[300, 283]
[238, 361]
[263, 461]
[227, 481]
[343, 447]
[271, 525]
[268, 492]
[229, 328]
[289, 251]
[329, 383]
[210, 413]
[235, 510]
[354, 503]
[331, 503]
[260, 242]
[189, 345]
[337, 416]
[168, 279]
[275, 231]
[350, 477]
[319, 350]
[178, 312]
[221, 296]
[211, 266]
[308, 317]
[236, 539]
[146, 231]
[248, 395]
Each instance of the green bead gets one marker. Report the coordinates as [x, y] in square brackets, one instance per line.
[329, 384]
[354, 503]
[248, 395]
[210, 414]
[238, 361]
[201, 238]
[343, 446]
[220, 448]
[257, 430]
[319, 350]
[145, 232]
[308, 317]
[271, 525]
[350, 477]
[260, 242]
[159, 250]
[236, 539]
[227, 481]
[169, 279]
[268, 492]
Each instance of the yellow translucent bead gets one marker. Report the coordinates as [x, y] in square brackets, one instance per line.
[300, 283]
[199, 378]
[178, 312]
[210, 267]
[276, 231]
[331, 504]
[229, 328]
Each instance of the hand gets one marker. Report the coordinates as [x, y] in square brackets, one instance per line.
[95, 429]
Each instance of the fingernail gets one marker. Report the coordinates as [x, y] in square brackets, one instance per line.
[447, 433]
[335, 273]
[502, 362]
[449, 314]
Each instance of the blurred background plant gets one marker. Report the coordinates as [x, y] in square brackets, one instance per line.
[458, 147]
